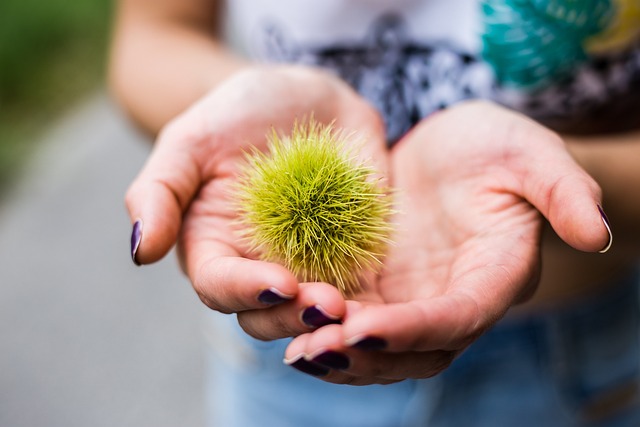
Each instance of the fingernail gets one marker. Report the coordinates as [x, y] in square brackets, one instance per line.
[605, 220]
[368, 343]
[332, 360]
[272, 296]
[316, 317]
[307, 367]
[136, 238]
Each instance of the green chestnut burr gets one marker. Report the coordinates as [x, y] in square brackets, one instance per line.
[310, 204]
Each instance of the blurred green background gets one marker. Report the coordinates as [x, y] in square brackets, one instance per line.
[52, 54]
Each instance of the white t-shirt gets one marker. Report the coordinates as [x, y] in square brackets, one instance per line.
[574, 65]
[325, 22]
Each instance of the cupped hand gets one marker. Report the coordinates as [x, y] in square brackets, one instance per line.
[183, 192]
[471, 184]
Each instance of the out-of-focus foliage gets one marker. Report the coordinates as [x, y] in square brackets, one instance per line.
[51, 53]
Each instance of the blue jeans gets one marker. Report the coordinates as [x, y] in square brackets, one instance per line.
[575, 366]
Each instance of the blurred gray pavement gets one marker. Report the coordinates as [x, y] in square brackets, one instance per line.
[87, 338]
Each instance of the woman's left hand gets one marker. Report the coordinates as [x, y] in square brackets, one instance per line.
[472, 182]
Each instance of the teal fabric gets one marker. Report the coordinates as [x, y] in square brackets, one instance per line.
[530, 43]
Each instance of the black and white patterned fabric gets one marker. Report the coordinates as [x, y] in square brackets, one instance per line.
[404, 80]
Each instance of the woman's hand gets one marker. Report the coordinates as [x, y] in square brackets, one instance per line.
[182, 193]
[471, 182]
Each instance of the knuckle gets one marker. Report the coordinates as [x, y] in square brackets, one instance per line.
[441, 361]
[210, 302]
[248, 326]
[345, 379]
[446, 359]
[206, 281]
[377, 371]
[352, 380]
[265, 329]
[131, 197]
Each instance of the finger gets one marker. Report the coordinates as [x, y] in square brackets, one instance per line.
[219, 271]
[231, 284]
[398, 366]
[566, 195]
[450, 322]
[316, 305]
[295, 357]
[327, 364]
[160, 194]
[326, 348]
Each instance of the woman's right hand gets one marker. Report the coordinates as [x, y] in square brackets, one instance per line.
[182, 193]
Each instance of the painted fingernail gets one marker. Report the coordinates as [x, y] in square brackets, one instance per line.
[272, 296]
[605, 220]
[332, 360]
[316, 317]
[307, 367]
[136, 238]
[369, 343]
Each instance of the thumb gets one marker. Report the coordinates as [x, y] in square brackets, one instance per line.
[568, 197]
[158, 197]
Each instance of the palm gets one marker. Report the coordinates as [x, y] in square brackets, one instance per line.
[462, 226]
[451, 246]
[466, 244]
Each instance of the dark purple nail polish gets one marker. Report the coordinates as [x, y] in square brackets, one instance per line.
[333, 360]
[607, 224]
[370, 344]
[603, 215]
[309, 368]
[136, 238]
[271, 297]
[315, 317]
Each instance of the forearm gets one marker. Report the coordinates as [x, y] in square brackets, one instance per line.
[166, 55]
[614, 162]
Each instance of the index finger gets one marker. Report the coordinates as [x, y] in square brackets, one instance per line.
[223, 276]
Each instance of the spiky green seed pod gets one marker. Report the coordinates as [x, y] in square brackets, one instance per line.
[310, 205]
